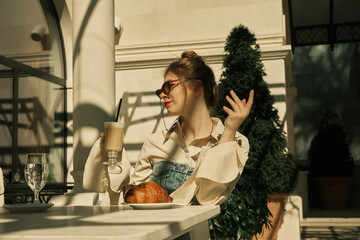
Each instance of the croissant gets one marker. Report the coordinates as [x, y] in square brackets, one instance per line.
[147, 192]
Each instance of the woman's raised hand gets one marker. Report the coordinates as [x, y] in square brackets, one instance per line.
[239, 112]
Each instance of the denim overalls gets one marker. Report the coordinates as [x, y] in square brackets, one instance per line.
[170, 175]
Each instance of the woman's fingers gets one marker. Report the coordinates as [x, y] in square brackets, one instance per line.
[235, 97]
[233, 104]
[241, 105]
[241, 110]
[250, 100]
[239, 102]
[102, 139]
[102, 147]
[228, 110]
[243, 102]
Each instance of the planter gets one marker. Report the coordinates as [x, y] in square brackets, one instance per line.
[331, 192]
[275, 204]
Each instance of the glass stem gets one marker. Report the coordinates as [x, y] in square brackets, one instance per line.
[36, 199]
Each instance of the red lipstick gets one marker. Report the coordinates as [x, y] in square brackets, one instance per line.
[167, 104]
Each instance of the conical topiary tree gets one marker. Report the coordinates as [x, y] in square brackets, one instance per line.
[329, 153]
[331, 164]
[269, 169]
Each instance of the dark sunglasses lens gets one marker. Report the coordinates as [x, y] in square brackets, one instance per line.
[166, 88]
[158, 92]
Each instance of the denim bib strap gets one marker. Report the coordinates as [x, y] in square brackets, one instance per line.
[188, 190]
[170, 175]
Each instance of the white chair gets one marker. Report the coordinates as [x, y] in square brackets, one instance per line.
[2, 188]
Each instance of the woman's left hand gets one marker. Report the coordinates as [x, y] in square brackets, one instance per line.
[239, 112]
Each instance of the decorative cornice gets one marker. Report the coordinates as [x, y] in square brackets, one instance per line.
[276, 52]
[160, 55]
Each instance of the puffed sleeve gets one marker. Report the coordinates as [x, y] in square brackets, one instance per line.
[95, 177]
[215, 174]
[220, 169]
[143, 167]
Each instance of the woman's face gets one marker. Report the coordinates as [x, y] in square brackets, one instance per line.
[174, 102]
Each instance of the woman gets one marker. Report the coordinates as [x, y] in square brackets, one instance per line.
[198, 159]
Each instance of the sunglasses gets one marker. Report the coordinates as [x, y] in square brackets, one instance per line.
[168, 86]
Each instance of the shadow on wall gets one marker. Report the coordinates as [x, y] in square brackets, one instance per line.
[127, 105]
[39, 130]
[84, 24]
[131, 101]
[94, 119]
[323, 79]
[96, 116]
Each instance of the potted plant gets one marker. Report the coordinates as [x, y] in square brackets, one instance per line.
[270, 169]
[331, 163]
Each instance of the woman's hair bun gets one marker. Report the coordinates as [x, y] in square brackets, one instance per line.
[192, 66]
[190, 55]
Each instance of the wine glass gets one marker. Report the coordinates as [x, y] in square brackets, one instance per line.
[36, 173]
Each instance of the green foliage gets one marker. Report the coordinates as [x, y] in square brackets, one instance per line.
[269, 169]
[245, 212]
[329, 153]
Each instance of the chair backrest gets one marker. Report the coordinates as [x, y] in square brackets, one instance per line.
[2, 188]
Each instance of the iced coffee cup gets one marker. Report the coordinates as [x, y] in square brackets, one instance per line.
[114, 133]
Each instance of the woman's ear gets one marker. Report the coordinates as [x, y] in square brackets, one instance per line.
[198, 87]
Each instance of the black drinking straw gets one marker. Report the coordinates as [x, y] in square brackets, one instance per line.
[118, 110]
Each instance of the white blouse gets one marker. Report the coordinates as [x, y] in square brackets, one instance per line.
[217, 167]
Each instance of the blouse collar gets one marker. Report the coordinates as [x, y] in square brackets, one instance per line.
[215, 134]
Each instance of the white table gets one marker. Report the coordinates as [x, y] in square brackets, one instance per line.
[106, 222]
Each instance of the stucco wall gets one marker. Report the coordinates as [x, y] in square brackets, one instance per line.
[158, 31]
[163, 21]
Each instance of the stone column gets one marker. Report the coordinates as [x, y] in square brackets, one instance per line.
[93, 77]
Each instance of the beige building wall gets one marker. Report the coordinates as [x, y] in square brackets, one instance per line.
[157, 32]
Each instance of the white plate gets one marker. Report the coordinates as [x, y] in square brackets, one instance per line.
[149, 206]
[28, 208]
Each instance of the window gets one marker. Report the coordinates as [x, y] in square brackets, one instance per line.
[32, 94]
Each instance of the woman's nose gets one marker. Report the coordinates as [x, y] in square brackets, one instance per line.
[162, 95]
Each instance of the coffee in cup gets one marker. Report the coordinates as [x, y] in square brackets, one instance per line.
[114, 132]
